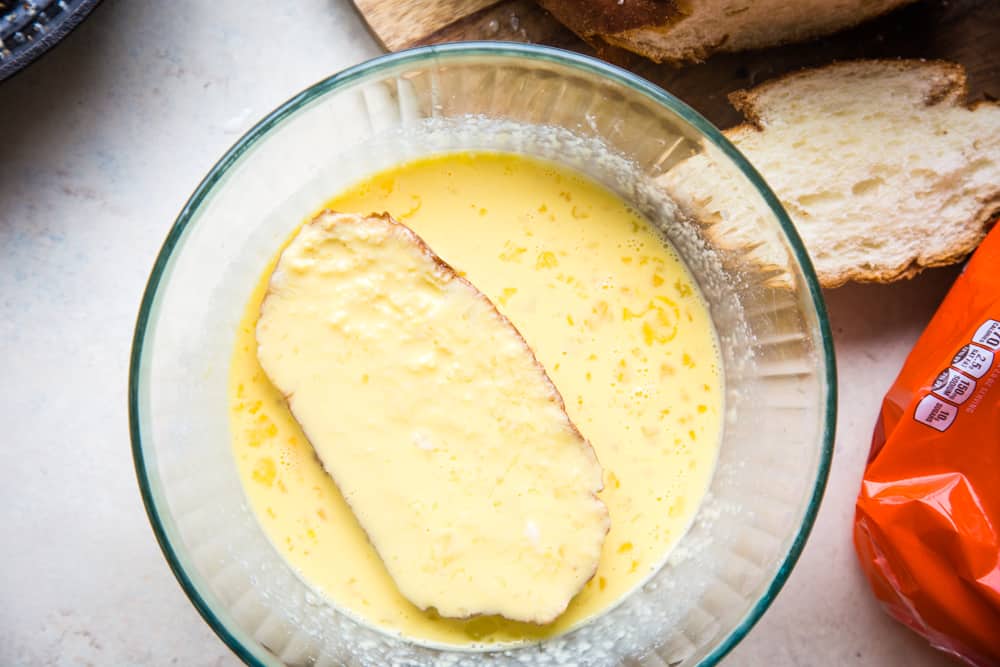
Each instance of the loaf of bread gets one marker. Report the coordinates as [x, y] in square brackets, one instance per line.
[672, 30]
[429, 410]
[882, 165]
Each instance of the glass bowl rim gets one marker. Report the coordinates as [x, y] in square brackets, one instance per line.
[453, 50]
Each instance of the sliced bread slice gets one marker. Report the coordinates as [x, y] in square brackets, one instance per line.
[883, 167]
[432, 415]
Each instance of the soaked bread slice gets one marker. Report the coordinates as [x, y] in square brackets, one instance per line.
[432, 415]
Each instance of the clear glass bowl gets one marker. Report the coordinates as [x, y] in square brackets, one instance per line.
[773, 335]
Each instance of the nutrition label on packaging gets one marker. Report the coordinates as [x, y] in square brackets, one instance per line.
[956, 384]
[988, 334]
[973, 360]
[934, 412]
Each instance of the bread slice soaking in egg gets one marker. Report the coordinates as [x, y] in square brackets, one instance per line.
[430, 412]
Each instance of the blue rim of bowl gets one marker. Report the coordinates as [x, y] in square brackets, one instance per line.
[485, 48]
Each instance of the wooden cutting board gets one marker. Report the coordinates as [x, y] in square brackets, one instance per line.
[963, 31]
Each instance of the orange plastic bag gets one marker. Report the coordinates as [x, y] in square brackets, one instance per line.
[927, 527]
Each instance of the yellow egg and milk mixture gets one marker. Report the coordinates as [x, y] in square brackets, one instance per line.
[610, 312]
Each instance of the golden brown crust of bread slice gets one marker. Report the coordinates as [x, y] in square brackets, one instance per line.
[614, 23]
[603, 17]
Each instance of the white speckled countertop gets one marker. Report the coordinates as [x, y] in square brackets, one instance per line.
[101, 142]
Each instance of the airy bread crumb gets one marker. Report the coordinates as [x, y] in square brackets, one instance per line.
[882, 166]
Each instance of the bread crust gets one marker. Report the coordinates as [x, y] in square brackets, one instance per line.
[613, 23]
[948, 86]
[590, 18]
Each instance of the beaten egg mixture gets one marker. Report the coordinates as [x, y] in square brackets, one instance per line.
[610, 312]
